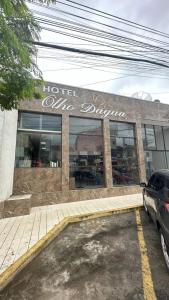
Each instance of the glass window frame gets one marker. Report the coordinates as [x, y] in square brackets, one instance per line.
[160, 152]
[146, 142]
[40, 132]
[41, 114]
[165, 151]
[134, 146]
[85, 118]
[103, 150]
[164, 127]
[122, 123]
[163, 140]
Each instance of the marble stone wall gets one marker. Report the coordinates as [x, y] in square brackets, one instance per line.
[80, 195]
[65, 152]
[52, 185]
[140, 152]
[107, 154]
[96, 103]
[37, 180]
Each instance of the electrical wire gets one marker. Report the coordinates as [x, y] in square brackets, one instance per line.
[120, 52]
[124, 21]
[94, 53]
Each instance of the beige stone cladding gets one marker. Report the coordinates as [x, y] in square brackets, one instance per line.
[49, 186]
[37, 180]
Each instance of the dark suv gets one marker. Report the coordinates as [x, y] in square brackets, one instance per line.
[156, 204]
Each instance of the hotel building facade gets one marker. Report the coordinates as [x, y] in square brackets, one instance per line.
[77, 144]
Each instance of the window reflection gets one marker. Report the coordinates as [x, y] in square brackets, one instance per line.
[86, 153]
[85, 126]
[166, 137]
[159, 137]
[150, 137]
[35, 121]
[154, 161]
[121, 129]
[38, 141]
[123, 154]
[36, 150]
[156, 144]
[167, 157]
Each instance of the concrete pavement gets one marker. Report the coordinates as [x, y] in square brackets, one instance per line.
[114, 257]
[19, 234]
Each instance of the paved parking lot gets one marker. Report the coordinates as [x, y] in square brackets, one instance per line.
[19, 234]
[95, 259]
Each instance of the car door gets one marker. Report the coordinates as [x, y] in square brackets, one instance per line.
[149, 194]
[157, 195]
[164, 211]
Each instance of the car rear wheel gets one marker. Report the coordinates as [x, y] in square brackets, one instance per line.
[165, 249]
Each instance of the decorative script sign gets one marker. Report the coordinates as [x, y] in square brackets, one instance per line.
[62, 103]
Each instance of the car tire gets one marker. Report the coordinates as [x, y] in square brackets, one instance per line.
[165, 249]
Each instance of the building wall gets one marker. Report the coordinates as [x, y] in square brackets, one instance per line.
[37, 180]
[8, 129]
[82, 194]
[71, 101]
[98, 105]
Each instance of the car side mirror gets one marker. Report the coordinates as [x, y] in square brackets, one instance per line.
[143, 184]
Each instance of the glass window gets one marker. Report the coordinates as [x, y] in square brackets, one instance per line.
[158, 160]
[118, 142]
[85, 126]
[154, 161]
[150, 137]
[129, 142]
[167, 157]
[123, 154]
[156, 156]
[86, 161]
[38, 150]
[120, 129]
[166, 137]
[51, 123]
[34, 121]
[159, 137]
[29, 121]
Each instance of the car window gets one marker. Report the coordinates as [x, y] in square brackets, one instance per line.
[151, 181]
[167, 183]
[166, 189]
[159, 183]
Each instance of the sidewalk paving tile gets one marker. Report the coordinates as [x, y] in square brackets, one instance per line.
[18, 234]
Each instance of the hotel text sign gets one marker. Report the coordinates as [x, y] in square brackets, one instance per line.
[55, 102]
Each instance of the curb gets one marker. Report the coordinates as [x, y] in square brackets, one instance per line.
[27, 257]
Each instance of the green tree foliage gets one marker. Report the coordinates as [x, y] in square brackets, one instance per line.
[19, 74]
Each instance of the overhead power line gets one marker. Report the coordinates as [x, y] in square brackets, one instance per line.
[105, 15]
[95, 32]
[117, 36]
[94, 53]
[103, 24]
[116, 42]
[122, 20]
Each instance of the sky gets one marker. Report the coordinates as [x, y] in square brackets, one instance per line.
[152, 13]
